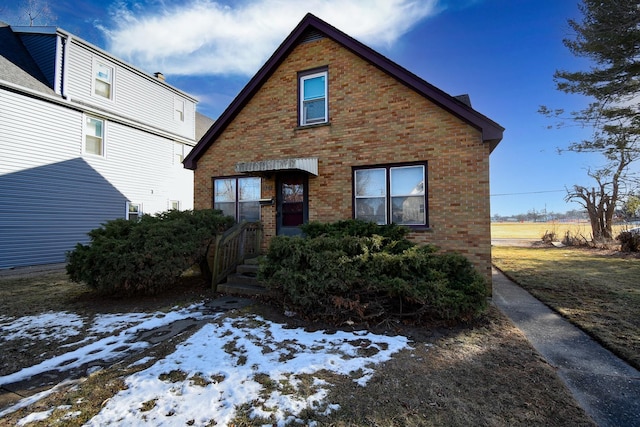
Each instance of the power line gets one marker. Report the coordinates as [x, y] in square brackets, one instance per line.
[528, 192]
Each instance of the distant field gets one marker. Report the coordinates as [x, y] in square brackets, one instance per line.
[535, 230]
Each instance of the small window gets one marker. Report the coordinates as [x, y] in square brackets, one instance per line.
[391, 194]
[134, 211]
[174, 205]
[178, 110]
[313, 98]
[238, 197]
[103, 80]
[94, 136]
[178, 154]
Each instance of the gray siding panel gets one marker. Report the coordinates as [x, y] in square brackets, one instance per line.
[45, 214]
[42, 48]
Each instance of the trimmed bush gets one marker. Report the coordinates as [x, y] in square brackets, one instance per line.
[337, 276]
[147, 256]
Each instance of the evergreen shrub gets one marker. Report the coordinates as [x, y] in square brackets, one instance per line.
[363, 272]
[146, 256]
[629, 241]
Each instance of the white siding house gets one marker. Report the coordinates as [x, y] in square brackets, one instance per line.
[84, 138]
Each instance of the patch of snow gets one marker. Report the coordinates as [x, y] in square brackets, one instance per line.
[224, 367]
[114, 322]
[108, 348]
[23, 403]
[141, 361]
[56, 326]
[35, 416]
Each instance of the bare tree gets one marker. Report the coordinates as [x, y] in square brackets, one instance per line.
[609, 36]
[35, 12]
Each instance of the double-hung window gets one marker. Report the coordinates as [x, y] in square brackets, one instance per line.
[313, 98]
[238, 197]
[103, 80]
[391, 194]
[134, 211]
[94, 136]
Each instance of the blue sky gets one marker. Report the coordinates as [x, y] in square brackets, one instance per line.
[503, 53]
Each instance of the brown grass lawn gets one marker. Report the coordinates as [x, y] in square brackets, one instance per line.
[535, 230]
[597, 290]
[483, 373]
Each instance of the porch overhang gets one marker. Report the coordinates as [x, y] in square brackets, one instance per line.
[308, 165]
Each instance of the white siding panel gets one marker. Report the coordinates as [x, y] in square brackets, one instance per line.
[141, 166]
[137, 97]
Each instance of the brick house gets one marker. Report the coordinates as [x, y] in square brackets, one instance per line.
[329, 129]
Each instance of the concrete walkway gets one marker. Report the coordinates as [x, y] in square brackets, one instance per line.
[605, 386]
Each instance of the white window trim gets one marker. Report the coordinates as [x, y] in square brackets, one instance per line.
[84, 136]
[178, 154]
[96, 61]
[326, 97]
[140, 210]
[177, 101]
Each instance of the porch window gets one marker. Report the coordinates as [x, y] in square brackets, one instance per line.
[313, 98]
[238, 197]
[391, 194]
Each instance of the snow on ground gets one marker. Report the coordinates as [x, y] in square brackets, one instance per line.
[46, 326]
[121, 331]
[243, 364]
[245, 361]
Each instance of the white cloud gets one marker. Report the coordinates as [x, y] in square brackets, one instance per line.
[204, 37]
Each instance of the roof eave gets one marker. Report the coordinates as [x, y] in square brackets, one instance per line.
[491, 131]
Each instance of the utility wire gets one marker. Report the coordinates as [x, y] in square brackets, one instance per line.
[528, 192]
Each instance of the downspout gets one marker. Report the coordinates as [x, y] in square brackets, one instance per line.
[66, 46]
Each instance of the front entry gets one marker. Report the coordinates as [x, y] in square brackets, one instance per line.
[292, 203]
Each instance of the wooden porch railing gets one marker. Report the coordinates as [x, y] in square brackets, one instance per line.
[231, 248]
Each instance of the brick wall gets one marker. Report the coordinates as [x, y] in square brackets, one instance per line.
[374, 119]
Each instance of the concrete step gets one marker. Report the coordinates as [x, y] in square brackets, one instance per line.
[248, 269]
[243, 279]
[242, 289]
[252, 261]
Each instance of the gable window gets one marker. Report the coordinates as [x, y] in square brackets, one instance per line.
[313, 98]
[178, 110]
[94, 136]
[134, 211]
[103, 80]
[391, 194]
[238, 197]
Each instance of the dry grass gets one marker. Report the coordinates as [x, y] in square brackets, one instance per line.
[479, 374]
[597, 290]
[535, 230]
